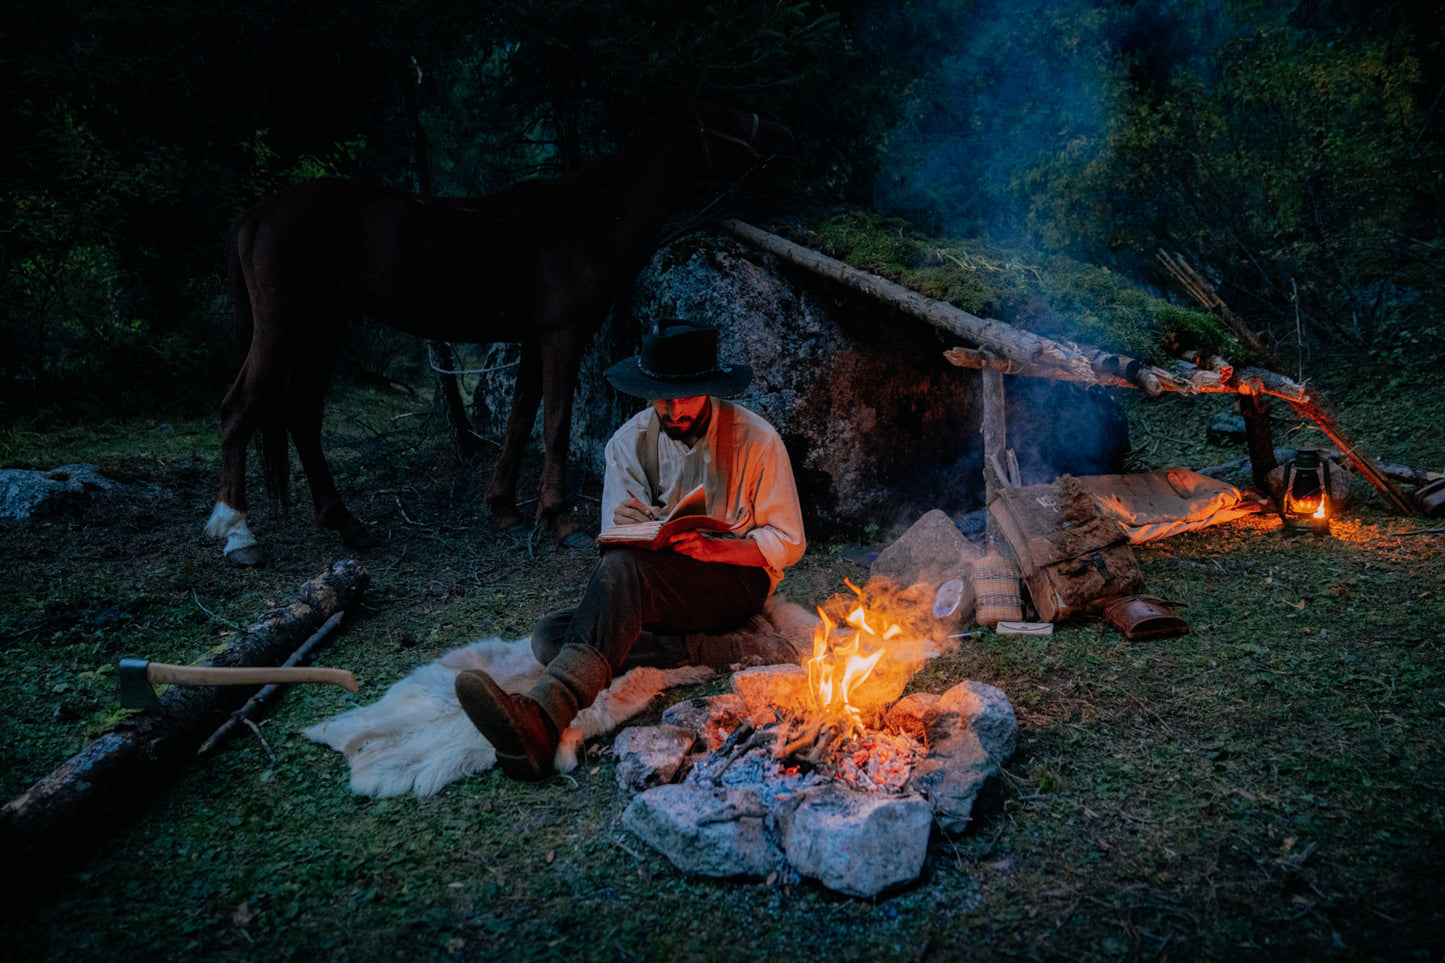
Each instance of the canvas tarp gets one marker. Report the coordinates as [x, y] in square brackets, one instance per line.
[1157, 504]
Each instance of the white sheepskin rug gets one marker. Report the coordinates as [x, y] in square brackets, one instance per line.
[416, 738]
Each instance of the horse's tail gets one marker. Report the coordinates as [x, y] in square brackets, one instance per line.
[271, 448]
[275, 458]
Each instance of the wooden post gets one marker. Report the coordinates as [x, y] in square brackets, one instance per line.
[1258, 438]
[995, 441]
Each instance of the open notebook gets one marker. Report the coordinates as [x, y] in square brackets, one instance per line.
[689, 513]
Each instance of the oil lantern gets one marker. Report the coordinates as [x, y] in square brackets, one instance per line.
[1304, 504]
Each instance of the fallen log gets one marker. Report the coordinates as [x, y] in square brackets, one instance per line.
[1404, 474]
[48, 824]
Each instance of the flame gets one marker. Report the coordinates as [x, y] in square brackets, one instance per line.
[842, 661]
[1314, 506]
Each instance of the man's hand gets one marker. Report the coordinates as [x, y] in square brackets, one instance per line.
[632, 511]
[731, 551]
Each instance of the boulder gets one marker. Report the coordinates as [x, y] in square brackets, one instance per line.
[25, 493]
[879, 425]
[709, 832]
[855, 843]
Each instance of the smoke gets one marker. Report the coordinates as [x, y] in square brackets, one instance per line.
[1001, 101]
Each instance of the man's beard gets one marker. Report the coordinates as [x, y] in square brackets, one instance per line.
[679, 432]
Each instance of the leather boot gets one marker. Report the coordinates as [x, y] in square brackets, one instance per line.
[525, 729]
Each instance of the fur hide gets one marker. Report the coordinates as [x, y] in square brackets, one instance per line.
[416, 738]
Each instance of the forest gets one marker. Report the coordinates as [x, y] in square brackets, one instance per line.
[1266, 787]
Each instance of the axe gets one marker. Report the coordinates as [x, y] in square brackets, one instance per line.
[138, 675]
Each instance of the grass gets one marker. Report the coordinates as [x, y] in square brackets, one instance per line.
[1267, 787]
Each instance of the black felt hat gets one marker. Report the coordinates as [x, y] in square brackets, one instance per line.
[679, 361]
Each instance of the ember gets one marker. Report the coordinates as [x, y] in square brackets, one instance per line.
[878, 762]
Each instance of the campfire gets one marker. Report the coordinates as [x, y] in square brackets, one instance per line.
[819, 770]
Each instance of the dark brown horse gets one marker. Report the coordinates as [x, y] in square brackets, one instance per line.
[538, 263]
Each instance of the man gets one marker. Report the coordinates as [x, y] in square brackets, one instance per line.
[635, 598]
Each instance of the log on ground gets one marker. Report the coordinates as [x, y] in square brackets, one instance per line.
[47, 824]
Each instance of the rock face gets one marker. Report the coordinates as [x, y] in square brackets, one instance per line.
[745, 815]
[880, 427]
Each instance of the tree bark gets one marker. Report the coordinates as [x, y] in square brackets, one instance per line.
[995, 441]
[49, 823]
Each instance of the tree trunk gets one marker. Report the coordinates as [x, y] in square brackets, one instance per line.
[439, 353]
[49, 823]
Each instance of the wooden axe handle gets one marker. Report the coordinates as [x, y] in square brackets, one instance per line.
[159, 672]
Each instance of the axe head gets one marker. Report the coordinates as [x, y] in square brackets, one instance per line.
[135, 686]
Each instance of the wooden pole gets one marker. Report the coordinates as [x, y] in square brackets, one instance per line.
[995, 442]
[1258, 439]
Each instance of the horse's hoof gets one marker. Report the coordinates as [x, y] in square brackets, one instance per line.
[580, 541]
[520, 533]
[247, 557]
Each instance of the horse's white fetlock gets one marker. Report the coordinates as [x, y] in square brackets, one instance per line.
[225, 522]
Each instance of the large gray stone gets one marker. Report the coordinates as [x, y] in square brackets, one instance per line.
[987, 713]
[649, 756]
[855, 843]
[25, 493]
[710, 832]
[933, 550]
[880, 427]
[952, 776]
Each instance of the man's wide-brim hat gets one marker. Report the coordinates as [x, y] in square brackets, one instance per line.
[679, 361]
